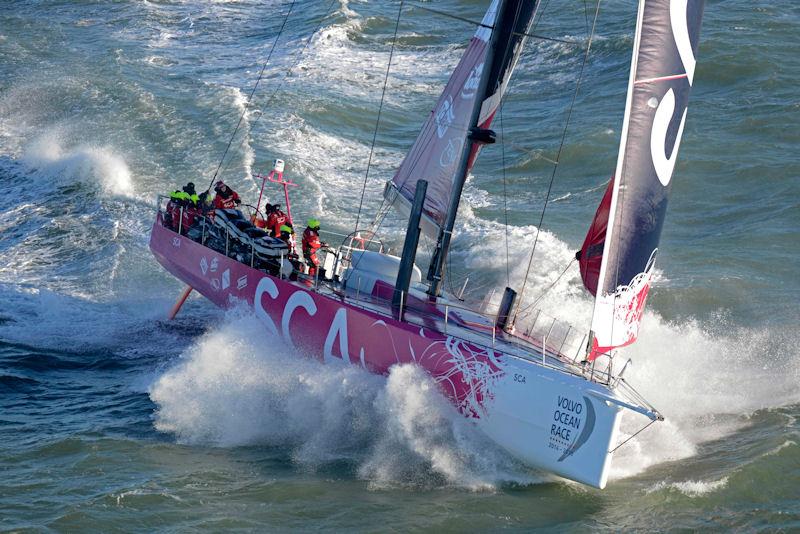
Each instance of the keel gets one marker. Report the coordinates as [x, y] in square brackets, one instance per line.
[178, 303]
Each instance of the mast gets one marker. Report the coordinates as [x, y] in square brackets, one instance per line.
[435, 274]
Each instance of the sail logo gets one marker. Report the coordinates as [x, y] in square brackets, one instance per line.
[450, 152]
[472, 82]
[665, 164]
[444, 117]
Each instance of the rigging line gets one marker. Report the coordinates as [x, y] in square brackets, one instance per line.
[505, 194]
[250, 98]
[558, 156]
[586, 15]
[551, 286]
[271, 97]
[487, 26]
[633, 436]
[380, 109]
[541, 16]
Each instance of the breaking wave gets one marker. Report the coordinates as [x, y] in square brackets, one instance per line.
[50, 158]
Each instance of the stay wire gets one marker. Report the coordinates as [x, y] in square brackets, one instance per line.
[505, 195]
[482, 25]
[380, 109]
[297, 59]
[546, 291]
[633, 436]
[558, 157]
[250, 98]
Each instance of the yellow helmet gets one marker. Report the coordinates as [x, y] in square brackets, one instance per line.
[313, 224]
[287, 229]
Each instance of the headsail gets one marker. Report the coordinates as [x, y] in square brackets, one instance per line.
[662, 71]
[437, 150]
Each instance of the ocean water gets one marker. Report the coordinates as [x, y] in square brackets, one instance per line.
[112, 418]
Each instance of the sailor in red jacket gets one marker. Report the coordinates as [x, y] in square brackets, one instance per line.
[312, 244]
[275, 219]
[226, 197]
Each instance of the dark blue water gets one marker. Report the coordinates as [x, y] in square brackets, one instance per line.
[113, 418]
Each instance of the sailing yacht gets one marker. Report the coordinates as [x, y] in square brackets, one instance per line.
[548, 393]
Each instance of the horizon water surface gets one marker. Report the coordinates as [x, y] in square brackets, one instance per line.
[112, 418]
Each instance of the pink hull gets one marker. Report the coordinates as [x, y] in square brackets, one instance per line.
[326, 326]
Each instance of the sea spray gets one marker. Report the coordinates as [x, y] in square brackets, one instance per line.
[48, 157]
[707, 379]
[237, 386]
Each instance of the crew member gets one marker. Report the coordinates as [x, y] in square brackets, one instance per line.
[180, 203]
[311, 245]
[205, 204]
[275, 219]
[226, 197]
[191, 193]
[287, 236]
[184, 196]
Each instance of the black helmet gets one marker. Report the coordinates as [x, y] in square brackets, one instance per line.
[189, 188]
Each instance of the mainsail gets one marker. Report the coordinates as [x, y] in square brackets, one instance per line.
[662, 71]
[437, 150]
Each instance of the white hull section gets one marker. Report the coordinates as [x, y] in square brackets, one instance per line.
[552, 420]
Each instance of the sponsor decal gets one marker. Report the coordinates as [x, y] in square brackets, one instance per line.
[468, 374]
[214, 265]
[241, 283]
[176, 242]
[450, 152]
[664, 163]
[215, 284]
[444, 117]
[226, 279]
[471, 85]
[571, 426]
[204, 265]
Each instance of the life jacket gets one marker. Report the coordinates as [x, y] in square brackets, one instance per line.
[180, 197]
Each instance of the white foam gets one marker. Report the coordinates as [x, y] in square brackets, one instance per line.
[706, 384]
[238, 387]
[84, 163]
[692, 488]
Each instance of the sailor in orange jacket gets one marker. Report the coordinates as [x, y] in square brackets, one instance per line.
[226, 197]
[275, 219]
[312, 244]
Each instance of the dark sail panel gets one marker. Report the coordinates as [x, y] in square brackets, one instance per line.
[436, 152]
[662, 73]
